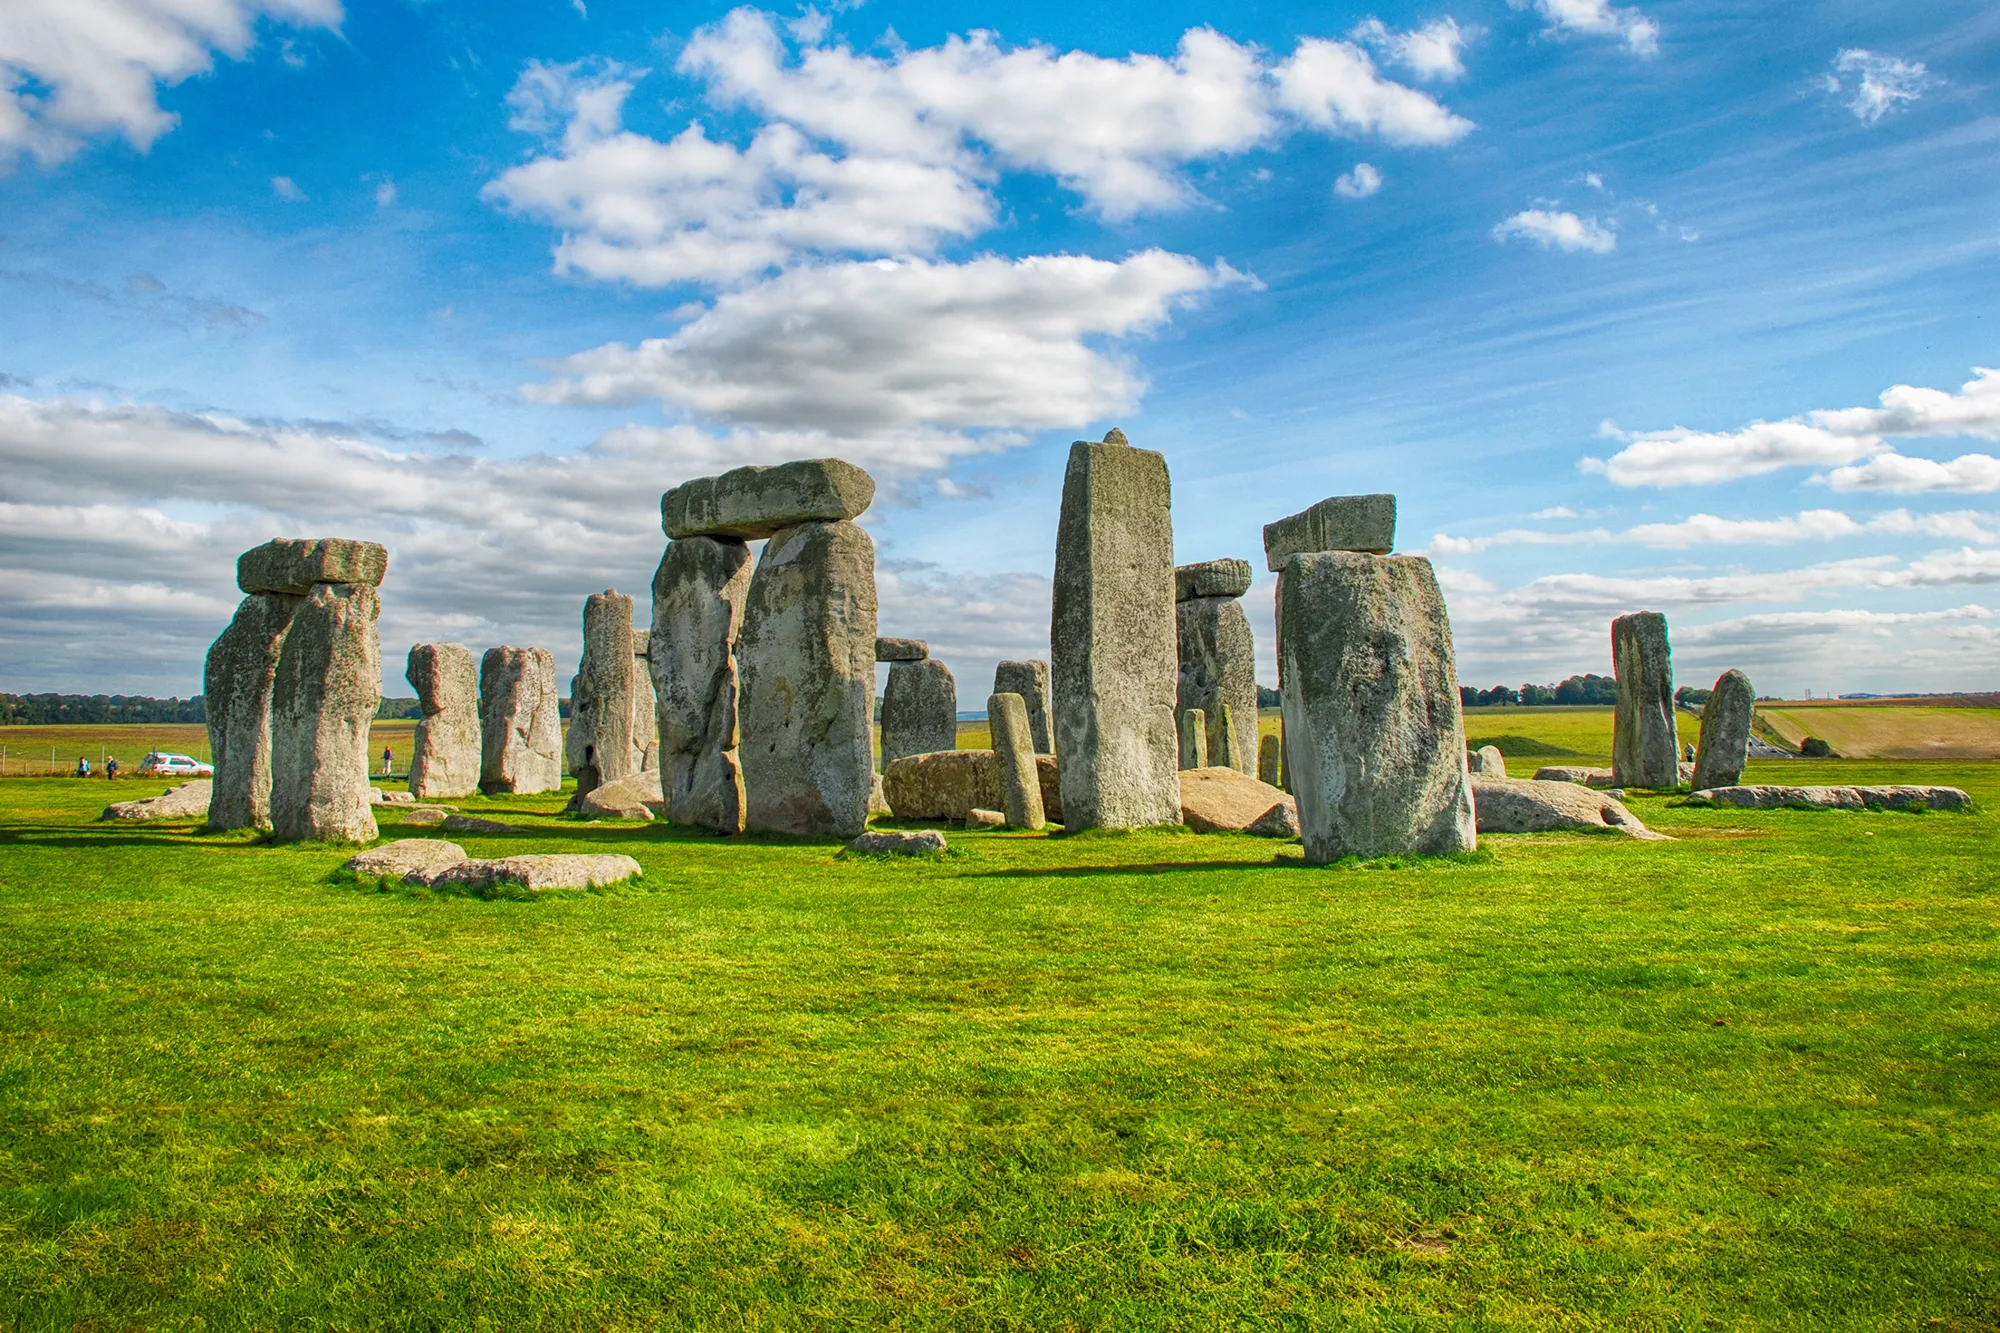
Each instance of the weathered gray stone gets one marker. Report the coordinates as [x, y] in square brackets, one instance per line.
[901, 650]
[1645, 748]
[446, 758]
[807, 663]
[1891, 797]
[878, 798]
[1219, 799]
[1267, 761]
[645, 702]
[1014, 755]
[531, 874]
[475, 824]
[423, 816]
[698, 596]
[1030, 680]
[237, 682]
[984, 819]
[1112, 631]
[323, 699]
[947, 784]
[1511, 805]
[1725, 732]
[1217, 673]
[1339, 523]
[634, 796]
[1487, 759]
[190, 800]
[890, 842]
[1375, 745]
[1193, 738]
[520, 722]
[407, 856]
[753, 502]
[1212, 578]
[919, 710]
[294, 564]
[604, 742]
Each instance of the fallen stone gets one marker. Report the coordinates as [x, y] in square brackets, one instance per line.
[889, 842]
[424, 816]
[323, 700]
[474, 824]
[1487, 759]
[1374, 742]
[445, 760]
[947, 784]
[1014, 758]
[901, 650]
[241, 670]
[1602, 778]
[190, 800]
[806, 660]
[539, 873]
[1217, 672]
[1725, 732]
[1212, 578]
[603, 744]
[1890, 797]
[755, 502]
[698, 596]
[985, 819]
[294, 564]
[634, 796]
[407, 855]
[1111, 629]
[376, 796]
[1340, 523]
[1030, 680]
[1222, 800]
[919, 709]
[520, 726]
[1645, 747]
[1514, 805]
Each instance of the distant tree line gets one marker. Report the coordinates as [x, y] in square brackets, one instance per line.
[44, 710]
[1571, 693]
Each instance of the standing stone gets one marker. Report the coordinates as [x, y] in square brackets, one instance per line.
[1375, 743]
[1112, 631]
[1488, 761]
[1014, 751]
[698, 596]
[919, 710]
[236, 684]
[1030, 680]
[328, 686]
[807, 662]
[604, 744]
[1267, 761]
[1193, 739]
[1645, 748]
[1218, 657]
[1725, 732]
[520, 722]
[446, 758]
[645, 703]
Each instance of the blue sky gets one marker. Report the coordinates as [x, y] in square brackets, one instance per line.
[1675, 306]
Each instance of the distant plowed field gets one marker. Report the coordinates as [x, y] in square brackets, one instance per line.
[1892, 731]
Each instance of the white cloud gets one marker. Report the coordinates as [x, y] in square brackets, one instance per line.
[1359, 183]
[1598, 18]
[1825, 438]
[1334, 86]
[1559, 511]
[1902, 475]
[385, 194]
[1875, 85]
[1709, 530]
[1434, 51]
[287, 189]
[70, 69]
[1558, 230]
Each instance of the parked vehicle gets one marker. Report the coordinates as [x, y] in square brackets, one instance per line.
[175, 765]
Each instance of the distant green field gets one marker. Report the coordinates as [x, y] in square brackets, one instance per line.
[1861, 731]
[38, 751]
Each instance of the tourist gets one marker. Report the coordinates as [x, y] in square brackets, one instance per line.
[388, 760]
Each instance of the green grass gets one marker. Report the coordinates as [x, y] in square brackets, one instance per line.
[1743, 1079]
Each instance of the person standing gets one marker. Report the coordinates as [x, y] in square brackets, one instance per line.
[388, 760]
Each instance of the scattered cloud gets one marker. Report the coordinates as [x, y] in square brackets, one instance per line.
[385, 193]
[1709, 530]
[1435, 51]
[1559, 511]
[1359, 183]
[1597, 18]
[287, 189]
[1872, 86]
[1558, 231]
[1902, 475]
[1828, 438]
[69, 72]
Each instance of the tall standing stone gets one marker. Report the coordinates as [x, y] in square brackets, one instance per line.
[446, 758]
[1267, 761]
[1725, 732]
[1014, 752]
[698, 595]
[1193, 739]
[324, 696]
[1218, 658]
[236, 685]
[806, 658]
[1111, 629]
[1645, 747]
[1375, 742]
[520, 722]
[645, 703]
[601, 747]
[1030, 680]
[919, 710]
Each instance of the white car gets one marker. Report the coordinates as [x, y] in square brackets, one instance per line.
[175, 765]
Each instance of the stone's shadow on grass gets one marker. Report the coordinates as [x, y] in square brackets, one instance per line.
[397, 886]
[1137, 868]
[56, 835]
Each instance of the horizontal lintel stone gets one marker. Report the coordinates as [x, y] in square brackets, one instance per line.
[750, 503]
[1339, 523]
[295, 564]
[1212, 578]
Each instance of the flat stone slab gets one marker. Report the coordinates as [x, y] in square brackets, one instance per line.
[1593, 777]
[901, 650]
[1339, 523]
[948, 783]
[376, 796]
[890, 842]
[634, 796]
[1212, 578]
[754, 502]
[1223, 800]
[1891, 797]
[406, 856]
[424, 816]
[980, 819]
[473, 824]
[187, 801]
[535, 873]
[294, 564]
[1517, 805]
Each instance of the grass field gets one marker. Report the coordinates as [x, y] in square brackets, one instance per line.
[1747, 1078]
[27, 750]
[1860, 731]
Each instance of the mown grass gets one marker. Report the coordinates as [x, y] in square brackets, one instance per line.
[35, 751]
[1892, 732]
[1743, 1079]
